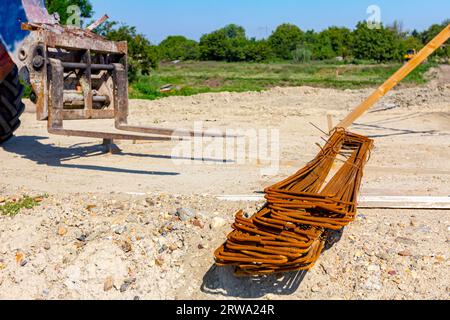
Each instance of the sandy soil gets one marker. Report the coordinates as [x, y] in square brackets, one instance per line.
[123, 237]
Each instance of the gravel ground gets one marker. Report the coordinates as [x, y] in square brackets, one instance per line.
[98, 246]
[136, 226]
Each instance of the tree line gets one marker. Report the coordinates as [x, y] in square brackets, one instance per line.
[287, 43]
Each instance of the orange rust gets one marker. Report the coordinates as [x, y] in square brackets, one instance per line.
[291, 231]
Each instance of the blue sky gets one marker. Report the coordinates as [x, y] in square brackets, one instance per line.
[159, 18]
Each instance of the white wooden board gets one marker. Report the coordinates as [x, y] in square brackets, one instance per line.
[371, 202]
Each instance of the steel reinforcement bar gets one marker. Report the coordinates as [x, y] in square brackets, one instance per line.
[291, 231]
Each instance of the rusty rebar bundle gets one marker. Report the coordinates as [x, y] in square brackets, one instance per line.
[290, 232]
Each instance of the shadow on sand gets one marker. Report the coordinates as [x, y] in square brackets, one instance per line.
[222, 281]
[31, 148]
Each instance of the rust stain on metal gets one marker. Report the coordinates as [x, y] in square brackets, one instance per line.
[302, 213]
[79, 75]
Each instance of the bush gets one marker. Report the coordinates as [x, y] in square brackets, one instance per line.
[285, 39]
[231, 44]
[226, 44]
[301, 55]
[427, 35]
[214, 46]
[338, 40]
[322, 48]
[258, 51]
[179, 48]
[374, 44]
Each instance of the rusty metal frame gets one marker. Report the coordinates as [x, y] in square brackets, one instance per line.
[56, 55]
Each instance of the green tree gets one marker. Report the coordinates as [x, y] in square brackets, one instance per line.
[61, 6]
[402, 39]
[416, 34]
[179, 48]
[309, 37]
[142, 55]
[285, 39]
[302, 55]
[409, 43]
[397, 28]
[237, 43]
[340, 40]
[226, 44]
[258, 51]
[323, 47]
[214, 46]
[233, 31]
[433, 31]
[374, 44]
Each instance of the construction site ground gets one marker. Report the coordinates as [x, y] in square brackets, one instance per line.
[137, 225]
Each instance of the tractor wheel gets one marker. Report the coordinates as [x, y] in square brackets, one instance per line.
[11, 105]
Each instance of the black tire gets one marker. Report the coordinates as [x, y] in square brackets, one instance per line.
[11, 105]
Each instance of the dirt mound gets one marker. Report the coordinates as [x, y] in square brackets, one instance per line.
[109, 229]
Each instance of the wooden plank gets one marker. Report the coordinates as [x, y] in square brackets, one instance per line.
[404, 202]
[370, 202]
[330, 122]
[434, 44]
